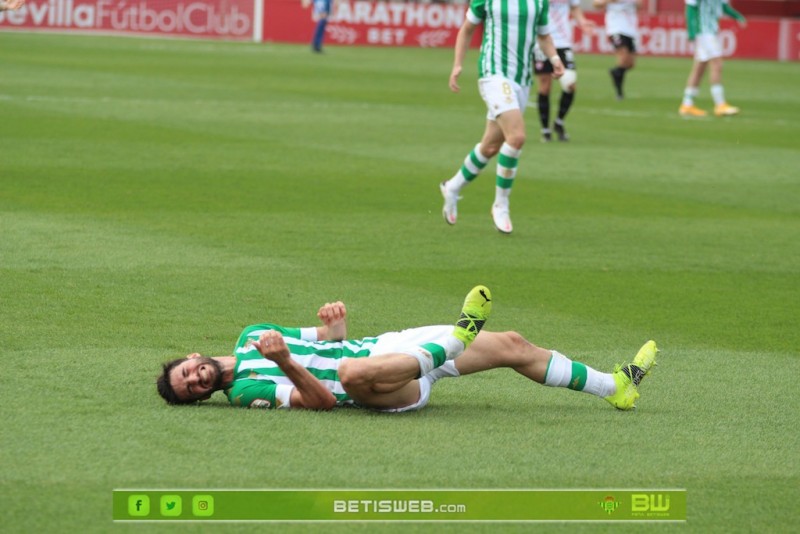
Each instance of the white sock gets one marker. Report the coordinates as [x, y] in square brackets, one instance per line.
[469, 170]
[425, 361]
[448, 369]
[436, 353]
[453, 347]
[718, 94]
[456, 183]
[563, 372]
[506, 172]
[501, 196]
[688, 96]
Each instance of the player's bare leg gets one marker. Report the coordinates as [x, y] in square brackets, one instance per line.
[492, 350]
[388, 380]
[512, 126]
[721, 106]
[473, 164]
[687, 108]
[385, 381]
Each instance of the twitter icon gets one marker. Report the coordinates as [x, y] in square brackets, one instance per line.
[171, 505]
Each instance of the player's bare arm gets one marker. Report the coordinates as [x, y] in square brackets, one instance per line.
[308, 391]
[587, 26]
[463, 39]
[547, 46]
[334, 321]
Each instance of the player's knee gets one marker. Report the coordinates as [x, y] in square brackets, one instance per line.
[348, 373]
[352, 374]
[511, 350]
[489, 150]
[516, 140]
[516, 344]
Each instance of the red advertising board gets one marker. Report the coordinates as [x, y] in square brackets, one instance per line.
[364, 22]
[789, 39]
[228, 19]
[665, 35]
[368, 23]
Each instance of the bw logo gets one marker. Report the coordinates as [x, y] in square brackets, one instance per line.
[652, 502]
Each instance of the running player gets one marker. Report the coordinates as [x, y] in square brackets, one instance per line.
[505, 73]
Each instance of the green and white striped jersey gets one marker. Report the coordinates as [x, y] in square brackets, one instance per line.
[509, 35]
[708, 14]
[260, 383]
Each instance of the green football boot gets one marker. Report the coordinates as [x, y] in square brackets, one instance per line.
[628, 377]
[477, 307]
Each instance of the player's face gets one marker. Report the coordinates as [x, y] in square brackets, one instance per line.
[197, 377]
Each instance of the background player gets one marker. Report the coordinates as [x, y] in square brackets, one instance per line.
[319, 13]
[562, 13]
[702, 27]
[622, 31]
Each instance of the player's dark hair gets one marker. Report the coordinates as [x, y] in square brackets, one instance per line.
[165, 387]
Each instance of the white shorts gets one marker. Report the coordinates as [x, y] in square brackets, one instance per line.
[501, 95]
[424, 397]
[707, 47]
[407, 342]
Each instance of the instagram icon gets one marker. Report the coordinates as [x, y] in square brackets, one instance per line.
[203, 505]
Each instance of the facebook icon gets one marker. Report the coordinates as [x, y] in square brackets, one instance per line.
[138, 505]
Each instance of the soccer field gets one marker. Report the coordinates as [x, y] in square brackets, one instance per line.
[157, 196]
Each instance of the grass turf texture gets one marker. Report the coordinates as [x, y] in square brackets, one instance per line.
[157, 196]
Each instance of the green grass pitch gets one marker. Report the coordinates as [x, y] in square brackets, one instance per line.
[157, 196]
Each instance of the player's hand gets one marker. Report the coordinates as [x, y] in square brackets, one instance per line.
[272, 346]
[742, 23]
[558, 69]
[333, 316]
[456, 72]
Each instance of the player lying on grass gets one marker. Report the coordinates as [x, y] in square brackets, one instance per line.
[317, 368]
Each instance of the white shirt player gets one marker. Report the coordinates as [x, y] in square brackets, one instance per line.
[560, 22]
[622, 18]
